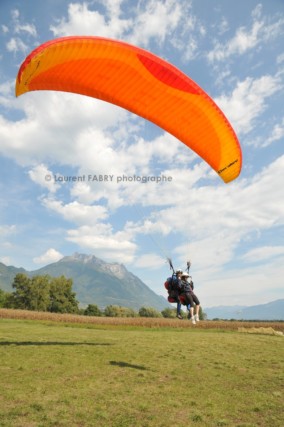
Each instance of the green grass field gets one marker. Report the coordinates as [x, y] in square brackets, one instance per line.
[68, 374]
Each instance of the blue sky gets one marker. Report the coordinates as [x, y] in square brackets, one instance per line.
[233, 234]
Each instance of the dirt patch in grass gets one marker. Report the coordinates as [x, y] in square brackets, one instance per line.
[261, 330]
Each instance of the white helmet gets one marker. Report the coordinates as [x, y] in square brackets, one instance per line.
[185, 274]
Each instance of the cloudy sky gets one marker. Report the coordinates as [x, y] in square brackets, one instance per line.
[232, 233]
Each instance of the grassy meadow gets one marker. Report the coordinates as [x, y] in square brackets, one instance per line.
[112, 374]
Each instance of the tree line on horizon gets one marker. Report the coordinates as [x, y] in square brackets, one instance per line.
[55, 295]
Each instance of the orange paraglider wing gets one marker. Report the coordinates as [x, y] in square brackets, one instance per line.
[140, 82]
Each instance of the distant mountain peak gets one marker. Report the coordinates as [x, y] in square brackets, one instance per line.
[113, 268]
[81, 257]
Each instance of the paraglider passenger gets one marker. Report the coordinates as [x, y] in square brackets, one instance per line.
[186, 291]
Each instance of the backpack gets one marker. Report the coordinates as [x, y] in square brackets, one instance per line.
[168, 283]
[170, 286]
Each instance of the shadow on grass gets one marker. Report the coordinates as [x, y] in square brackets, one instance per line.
[27, 343]
[127, 365]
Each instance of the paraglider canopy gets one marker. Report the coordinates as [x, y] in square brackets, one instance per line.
[140, 82]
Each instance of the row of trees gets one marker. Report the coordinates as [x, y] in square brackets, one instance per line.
[41, 293]
[54, 294]
[117, 311]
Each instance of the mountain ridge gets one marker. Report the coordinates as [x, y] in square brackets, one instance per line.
[273, 310]
[94, 281]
